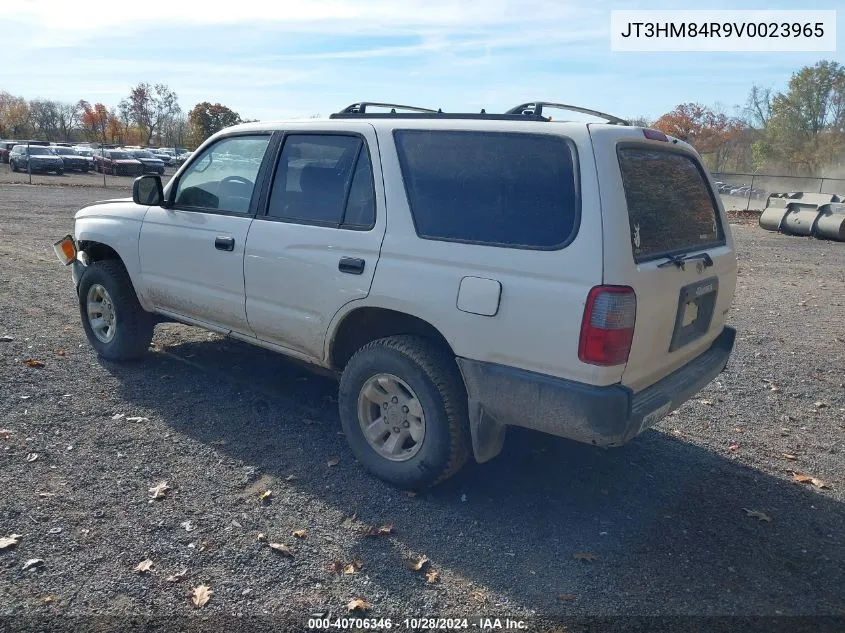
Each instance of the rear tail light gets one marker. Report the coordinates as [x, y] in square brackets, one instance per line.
[655, 135]
[608, 326]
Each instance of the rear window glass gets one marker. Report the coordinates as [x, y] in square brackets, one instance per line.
[493, 188]
[670, 208]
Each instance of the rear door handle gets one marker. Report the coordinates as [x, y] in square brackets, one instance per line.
[224, 243]
[351, 265]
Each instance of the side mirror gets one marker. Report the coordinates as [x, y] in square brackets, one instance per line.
[147, 190]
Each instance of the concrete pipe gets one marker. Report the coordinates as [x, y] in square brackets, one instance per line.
[831, 222]
[800, 219]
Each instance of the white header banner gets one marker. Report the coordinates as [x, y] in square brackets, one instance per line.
[722, 30]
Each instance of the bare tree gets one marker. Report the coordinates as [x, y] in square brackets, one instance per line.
[758, 108]
[69, 116]
[44, 118]
[150, 106]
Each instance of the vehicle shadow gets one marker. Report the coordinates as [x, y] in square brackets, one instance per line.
[666, 519]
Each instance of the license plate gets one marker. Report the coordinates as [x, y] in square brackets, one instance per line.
[690, 313]
[696, 304]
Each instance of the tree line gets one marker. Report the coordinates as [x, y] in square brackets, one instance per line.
[799, 131]
[149, 115]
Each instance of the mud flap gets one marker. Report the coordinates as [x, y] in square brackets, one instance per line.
[488, 436]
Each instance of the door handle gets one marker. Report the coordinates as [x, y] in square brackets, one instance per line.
[351, 265]
[224, 243]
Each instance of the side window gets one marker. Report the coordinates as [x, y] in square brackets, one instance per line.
[223, 177]
[325, 180]
[507, 189]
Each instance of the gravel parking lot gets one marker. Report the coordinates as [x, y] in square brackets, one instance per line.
[73, 179]
[699, 516]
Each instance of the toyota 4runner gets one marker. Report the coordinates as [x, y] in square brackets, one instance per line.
[461, 273]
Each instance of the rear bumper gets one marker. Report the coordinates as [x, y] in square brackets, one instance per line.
[501, 396]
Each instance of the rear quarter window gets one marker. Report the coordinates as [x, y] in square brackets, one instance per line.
[670, 206]
[493, 188]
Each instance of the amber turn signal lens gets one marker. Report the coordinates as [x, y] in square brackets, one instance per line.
[65, 250]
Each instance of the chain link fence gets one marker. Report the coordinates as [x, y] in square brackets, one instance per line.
[97, 169]
[743, 192]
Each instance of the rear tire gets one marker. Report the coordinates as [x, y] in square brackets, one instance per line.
[427, 371]
[131, 327]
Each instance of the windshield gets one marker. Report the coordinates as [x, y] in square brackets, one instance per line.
[64, 151]
[84, 152]
[142, 155]
[40, 151]
[120, 156]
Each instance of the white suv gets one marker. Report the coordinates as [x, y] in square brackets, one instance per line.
[460, 272]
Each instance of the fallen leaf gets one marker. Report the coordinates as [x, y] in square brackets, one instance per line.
[200, 595]
[818, 483]
[5, 434]
[188, 526]
[261, 536]
[353, 567]
[359, 604]
[137, 418]
[31, 457]
[733, 447]
[334, 461]
[144, 567]
[416, 564]
[586, 556]
[757, 514]
[48, 599]
[708, 403]
[775, 389]
[61, 352]
[34, 363]
[336, 567]
[801, 479]
[788, 456]
[300, 533]
[117, 416]
[567, 596]
[32, 563]
[266, 495]
[820, 405]
[9, 541]
[6, 338]
[432, 576]
[282, 549]
[159, 491]
[478, 595]
[178, 576]
[382, 530]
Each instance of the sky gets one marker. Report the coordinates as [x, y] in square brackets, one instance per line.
[275, 60]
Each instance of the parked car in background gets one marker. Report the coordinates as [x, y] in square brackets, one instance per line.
[87, 153]
[35, 159]
[71, 158]
[162, 156]
[181, 158]
[5, 149]
[117, 163]
[149, 162]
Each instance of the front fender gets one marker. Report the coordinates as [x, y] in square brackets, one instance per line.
[122, 235]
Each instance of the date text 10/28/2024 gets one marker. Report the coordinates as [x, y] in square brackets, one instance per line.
[478, 623]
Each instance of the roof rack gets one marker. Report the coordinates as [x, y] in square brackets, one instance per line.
[359, 110]
[535, 108]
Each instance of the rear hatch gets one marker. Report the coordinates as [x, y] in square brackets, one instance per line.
[667, 237]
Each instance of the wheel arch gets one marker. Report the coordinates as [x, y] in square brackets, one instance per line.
[363, 324]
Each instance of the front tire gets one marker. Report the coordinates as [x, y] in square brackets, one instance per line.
[403, 408]
[116, 325]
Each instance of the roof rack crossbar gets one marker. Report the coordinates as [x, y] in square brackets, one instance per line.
[536, 108]
[361, 108]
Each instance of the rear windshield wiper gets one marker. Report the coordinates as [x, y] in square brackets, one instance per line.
[681, 260]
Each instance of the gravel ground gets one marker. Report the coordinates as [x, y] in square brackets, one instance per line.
[222, 423]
